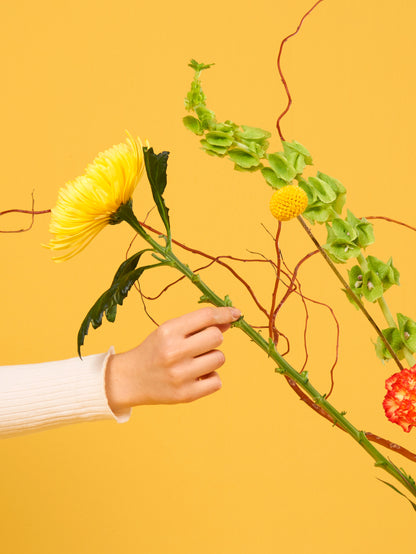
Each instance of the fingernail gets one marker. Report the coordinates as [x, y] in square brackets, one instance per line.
[235, 313]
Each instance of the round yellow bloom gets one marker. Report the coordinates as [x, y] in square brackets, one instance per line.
[86, 204]
[288, 202]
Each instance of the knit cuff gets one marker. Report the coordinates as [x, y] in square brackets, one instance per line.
[40, 396]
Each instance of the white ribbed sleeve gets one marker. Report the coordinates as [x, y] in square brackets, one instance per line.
[35, 397]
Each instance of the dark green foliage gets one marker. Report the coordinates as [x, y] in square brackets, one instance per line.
[124, 279]
[156, 168]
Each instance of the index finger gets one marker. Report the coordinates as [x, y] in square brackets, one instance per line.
[206, 317]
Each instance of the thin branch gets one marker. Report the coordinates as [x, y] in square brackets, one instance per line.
[32, 212]
[279, 68]
[391, 221]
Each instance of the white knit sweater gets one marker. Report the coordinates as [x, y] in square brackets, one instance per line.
[40, 396]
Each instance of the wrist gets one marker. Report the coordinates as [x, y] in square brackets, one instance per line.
[115, 385]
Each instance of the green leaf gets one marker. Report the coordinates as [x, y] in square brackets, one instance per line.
[124, 279]
[219, 138]
[399, 492]
[324, 191]
[310, 191]
[355, 275]
[295, 146]
[226, 127]
[385, 271]
[408, 331]
[156, 168]
[319, 214]
[193, 124]
[244, 158]
[365, 233]
[341, 251]
[206, 117]
[272, 179]
[339, 203]
[392, 335]
[343, 230]
[372, 287]
[253, 133]
[199, 66]
[394, 277]
[248, 169]
[283, 169]
[336, 185]
[297, 160]
[378, 266]
[211, 149]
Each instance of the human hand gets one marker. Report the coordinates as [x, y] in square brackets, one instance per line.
[176, 363]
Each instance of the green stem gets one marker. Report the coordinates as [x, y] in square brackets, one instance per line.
[387, 313]
[301, 379]
[351, 293]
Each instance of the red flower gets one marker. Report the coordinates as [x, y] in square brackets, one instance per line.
[400, 400]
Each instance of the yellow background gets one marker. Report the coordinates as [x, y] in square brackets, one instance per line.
[250, 469]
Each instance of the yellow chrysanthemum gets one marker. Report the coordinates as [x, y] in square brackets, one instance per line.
[88, 203]
[288, 202]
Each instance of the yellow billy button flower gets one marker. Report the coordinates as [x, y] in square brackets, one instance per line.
[90, 202]
[288, 202]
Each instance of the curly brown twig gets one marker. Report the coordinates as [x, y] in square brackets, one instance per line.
[302, 396]
[32, 212]
[370, 436]
[391, 221]
[272, 317]
[279, 68]
[304, 298]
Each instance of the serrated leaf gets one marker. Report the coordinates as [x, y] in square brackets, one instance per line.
[272, 179]
[193, 124]
[125, 277]
[128, 265]
[283, 169]
[156, 169]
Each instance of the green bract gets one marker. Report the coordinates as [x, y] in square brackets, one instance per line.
[407, 329]
[392, 334]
